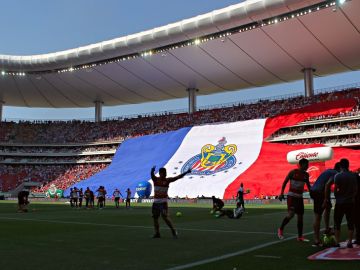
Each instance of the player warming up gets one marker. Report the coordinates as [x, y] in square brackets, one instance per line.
[116, 196]
[295, 203]
[235, 213]
[240, 197]
[345, 193]
[160, 205]
[23, 201]
[218, 204]
[318, 195]
[128, 198]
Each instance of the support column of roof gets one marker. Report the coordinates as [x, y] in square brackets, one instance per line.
[98, 111]
[192, 99]
[309, 81]
[1, 109]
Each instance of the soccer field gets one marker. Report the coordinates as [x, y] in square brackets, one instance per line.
[54, 236]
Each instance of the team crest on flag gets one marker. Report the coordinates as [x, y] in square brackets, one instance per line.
[212, 159]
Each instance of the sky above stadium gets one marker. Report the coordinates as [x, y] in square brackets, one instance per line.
[37, 26]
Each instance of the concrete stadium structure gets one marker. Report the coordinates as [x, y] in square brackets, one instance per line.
[251, 44]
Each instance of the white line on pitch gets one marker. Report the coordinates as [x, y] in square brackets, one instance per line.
[130, 226]
[233, 254]
[229, 255]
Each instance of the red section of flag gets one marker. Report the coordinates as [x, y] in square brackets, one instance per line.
[268, 172]
[296, 116]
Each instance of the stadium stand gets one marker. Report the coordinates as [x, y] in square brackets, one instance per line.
[342, 129]
[119, 130]
[60, 175]
[49, 151]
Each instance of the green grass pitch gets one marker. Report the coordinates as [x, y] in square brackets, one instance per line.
[54, 236]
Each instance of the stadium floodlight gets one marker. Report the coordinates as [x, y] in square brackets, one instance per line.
[3, 73]
[341, 2]
[197, 41]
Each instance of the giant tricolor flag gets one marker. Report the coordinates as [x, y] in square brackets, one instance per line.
[221, 157]
[217, 155]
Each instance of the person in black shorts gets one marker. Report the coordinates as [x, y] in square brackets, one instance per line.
[318, 195]
[81, 196]
[357, 210]
[128, 198]
[105, 192]
[116, 195]
[92, 199]
[87, 195]
[218, 204]
[295, 202]
[240, 197]
[345, 192]
[101, 197]
[23, 201]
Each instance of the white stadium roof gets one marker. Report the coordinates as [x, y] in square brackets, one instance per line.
[250, 44]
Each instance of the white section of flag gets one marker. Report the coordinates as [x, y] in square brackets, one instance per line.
[246, 135]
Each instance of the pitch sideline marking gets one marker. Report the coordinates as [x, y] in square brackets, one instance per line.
[236, 253]
[130, 226]
[233, 254]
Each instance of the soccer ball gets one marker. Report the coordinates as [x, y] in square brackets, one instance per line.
[178, 214]
[329, 240]
[326, 240]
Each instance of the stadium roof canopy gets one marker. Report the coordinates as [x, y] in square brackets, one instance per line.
[250, 44]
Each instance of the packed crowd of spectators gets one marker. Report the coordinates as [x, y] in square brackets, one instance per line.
[61, 175]
[57, 150]
[327, 128]
[341, 125]
[330, 141]
[74, 159]
[354, 112]
[82, 131]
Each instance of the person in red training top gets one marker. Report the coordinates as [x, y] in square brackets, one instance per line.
[160, 205]
[298, 179]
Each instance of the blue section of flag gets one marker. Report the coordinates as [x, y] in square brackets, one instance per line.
[133, 161]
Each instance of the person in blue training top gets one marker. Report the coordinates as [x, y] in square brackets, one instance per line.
[318, 195]
[345, 193]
